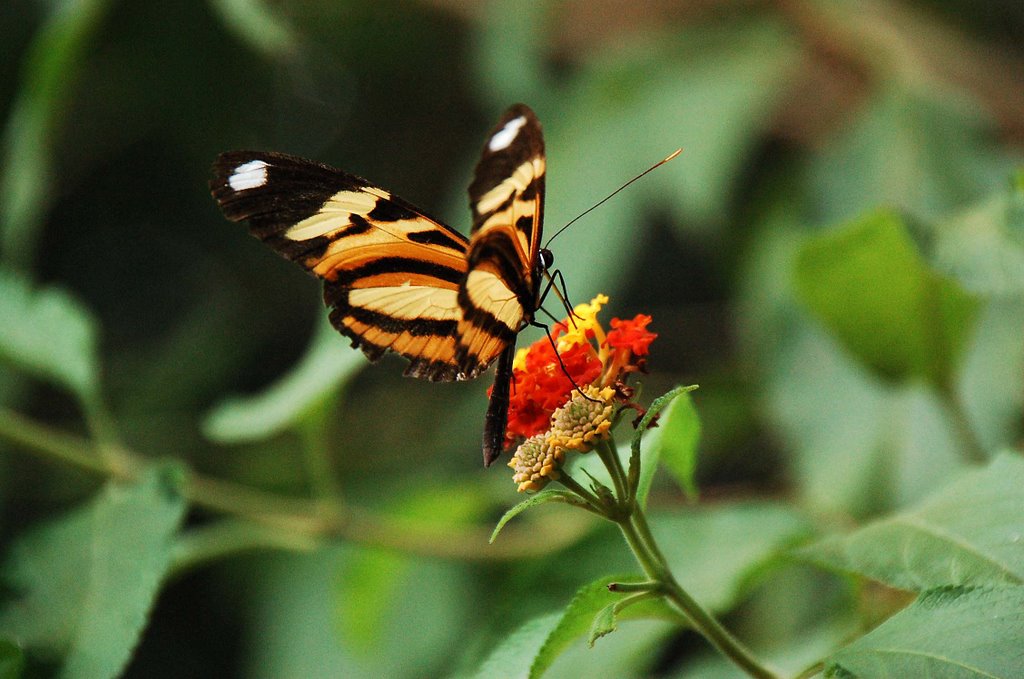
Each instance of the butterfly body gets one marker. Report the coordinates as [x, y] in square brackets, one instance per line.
[398, 280]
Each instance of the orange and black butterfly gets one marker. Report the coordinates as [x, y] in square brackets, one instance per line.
[399, 280]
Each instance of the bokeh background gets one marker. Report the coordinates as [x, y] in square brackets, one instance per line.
[795, 117]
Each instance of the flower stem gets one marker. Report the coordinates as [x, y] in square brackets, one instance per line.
[593, 504]
[613, 464]
[637, 533]
[973, 449]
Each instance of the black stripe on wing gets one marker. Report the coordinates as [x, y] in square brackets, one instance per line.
[273, 192]
[515, 139]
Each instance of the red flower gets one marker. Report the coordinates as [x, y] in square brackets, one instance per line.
[632, 335]
[540, 384]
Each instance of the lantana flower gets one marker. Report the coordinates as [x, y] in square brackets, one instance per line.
[546, 410]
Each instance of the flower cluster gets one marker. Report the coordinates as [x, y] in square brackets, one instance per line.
[546, 410]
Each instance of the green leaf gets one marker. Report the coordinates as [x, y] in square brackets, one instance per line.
[48, 76]
[371, 581]
[132, 540]
[294, 619]
[674, 444]
[648, 463]
[954, 633]
[49, 334]
[327, 366]
[869, 285]
[86, 582]
[580, 618]
[514, 656]
[543, 497]
[969, 533]
[46, 566]
[604, 624]
[983, 246]
[12, 660]
[991, 394]
[911, 148]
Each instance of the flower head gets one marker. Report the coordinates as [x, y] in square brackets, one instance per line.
[586, 418]
[536, 462]
[583, 326]
[541, 383]
[545, 407]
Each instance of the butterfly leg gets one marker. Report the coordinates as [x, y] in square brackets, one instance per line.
[556, 279]
[547, 331]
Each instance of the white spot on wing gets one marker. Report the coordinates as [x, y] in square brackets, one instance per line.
[503, 137]
[251, 175]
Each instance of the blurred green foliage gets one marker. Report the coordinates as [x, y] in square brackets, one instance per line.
[837, 258]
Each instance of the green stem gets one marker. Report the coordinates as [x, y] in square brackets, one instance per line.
[231, 536]
[630, 518]
[648, 562]
[649, 587]
[971, 446]
[285, 521]
[613, 464]
[591, 499]
[623, 604]
[812, 671]
[63, 448]
[643, 528]
[645, 549]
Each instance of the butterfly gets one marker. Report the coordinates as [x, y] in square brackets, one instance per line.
[398, 280]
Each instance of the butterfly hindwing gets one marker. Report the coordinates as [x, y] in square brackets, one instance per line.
[391, 274]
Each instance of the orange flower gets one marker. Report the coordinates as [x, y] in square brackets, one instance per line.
[628, 340]
[540, 384]
[632, 335]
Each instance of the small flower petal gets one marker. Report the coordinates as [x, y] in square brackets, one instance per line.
[632, 334]
[583, 324]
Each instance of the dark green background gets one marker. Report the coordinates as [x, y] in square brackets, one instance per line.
[795, 118]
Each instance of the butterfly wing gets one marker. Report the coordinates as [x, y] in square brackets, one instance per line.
[499, 295]
[391, 274]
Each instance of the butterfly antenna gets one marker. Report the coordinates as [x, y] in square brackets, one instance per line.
[609, 196]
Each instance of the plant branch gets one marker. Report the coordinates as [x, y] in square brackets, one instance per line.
[649, 556]
[592, 503]
[630, 518]
[972, 447]
[611, 461]
[288, 522]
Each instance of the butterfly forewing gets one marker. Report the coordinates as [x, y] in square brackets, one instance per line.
[391, 274]
[506, 199]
